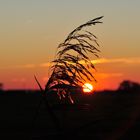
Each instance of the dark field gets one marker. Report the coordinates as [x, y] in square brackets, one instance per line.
[108, 115]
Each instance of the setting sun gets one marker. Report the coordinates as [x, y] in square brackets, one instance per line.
[87, 87]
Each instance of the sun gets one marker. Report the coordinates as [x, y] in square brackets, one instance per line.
[87, 87]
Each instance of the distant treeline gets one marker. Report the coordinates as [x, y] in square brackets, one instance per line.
[125, 85]
[128, 85]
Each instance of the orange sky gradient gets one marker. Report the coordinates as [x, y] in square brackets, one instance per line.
[31, 31]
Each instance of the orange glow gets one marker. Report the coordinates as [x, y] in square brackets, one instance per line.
[87, 87]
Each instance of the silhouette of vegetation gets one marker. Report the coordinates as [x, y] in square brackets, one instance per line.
[128, 85]
[113, 116]
[1, 86]
[72, 66]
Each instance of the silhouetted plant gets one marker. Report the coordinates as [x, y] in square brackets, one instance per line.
[72, 66]
[128, 85]
[1, 86]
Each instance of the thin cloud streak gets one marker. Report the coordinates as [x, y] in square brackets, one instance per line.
[26, 66]
[108, 75]
[133, 60]
[47, 64]
[18, 80]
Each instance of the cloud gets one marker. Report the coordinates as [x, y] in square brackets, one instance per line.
[18, 80]
[133, 60]
[27, 66]
[108, 75]
[46, 64]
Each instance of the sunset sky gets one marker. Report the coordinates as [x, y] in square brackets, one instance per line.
[31, 30]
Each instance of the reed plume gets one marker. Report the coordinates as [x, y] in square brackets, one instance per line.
[72, 66]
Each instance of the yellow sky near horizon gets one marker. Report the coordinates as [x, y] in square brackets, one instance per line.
[31, 30]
